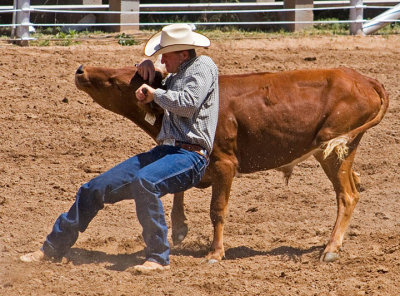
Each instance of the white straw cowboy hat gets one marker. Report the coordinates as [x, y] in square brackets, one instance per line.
[175, 37]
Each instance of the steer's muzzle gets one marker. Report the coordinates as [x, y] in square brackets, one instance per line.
[80, 77]
[80, 70]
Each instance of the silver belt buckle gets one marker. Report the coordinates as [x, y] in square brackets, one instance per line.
[169, 142]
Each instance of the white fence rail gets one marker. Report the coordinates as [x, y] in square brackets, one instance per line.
[379, 21]
[22, 11]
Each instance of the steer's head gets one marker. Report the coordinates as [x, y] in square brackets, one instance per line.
[114, 89]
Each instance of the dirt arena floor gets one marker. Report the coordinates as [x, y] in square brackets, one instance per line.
[54, 138]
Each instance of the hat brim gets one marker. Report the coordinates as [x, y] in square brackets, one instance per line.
[153, 45]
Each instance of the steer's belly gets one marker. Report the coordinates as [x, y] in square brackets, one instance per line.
[269, 156]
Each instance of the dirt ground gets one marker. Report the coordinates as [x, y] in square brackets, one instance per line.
[54, 138]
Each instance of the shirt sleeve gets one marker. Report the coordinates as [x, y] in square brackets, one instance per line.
[185, 102]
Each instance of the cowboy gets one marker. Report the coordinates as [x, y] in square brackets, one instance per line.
[190, 102]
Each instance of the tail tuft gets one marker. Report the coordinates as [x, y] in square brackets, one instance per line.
[339, 144]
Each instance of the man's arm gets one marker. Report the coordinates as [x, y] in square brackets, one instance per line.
[186, 102]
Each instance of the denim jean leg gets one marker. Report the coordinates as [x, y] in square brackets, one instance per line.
[150, 213]
[91, 198]
[66, 229]
[174, 172]
[63, 235]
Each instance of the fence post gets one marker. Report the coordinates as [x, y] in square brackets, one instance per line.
[124, 5]
[23, 22]
[298, 16]
[356, 14]
[14, 18]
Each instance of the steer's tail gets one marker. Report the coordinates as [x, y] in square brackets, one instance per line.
[339, 144]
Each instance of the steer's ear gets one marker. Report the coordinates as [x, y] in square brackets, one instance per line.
[161, 69]
[136, 81]
[158, 78]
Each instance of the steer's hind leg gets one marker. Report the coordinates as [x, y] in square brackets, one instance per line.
[345, 183]
[178, 219]
[223, 173]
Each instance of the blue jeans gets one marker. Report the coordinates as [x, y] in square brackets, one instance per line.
[145, 178]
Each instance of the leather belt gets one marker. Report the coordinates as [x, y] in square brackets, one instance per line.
[190, 147]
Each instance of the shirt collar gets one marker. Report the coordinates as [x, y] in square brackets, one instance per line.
[186, 64]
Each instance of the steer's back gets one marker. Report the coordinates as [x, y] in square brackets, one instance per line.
[271, 119]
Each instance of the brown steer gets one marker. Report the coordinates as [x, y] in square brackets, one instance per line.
[267, 121]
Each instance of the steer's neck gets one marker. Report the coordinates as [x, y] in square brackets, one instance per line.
[146, 124]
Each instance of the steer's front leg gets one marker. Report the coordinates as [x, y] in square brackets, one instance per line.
[223, 173]
[178, 219]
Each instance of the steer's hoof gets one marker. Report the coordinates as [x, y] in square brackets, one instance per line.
[212, 261]
[179, 235]
[330, 257]
[209, 261]
[214, 256]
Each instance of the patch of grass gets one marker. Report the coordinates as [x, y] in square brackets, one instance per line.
[126, 40]
[393, 28]
[54, 36]
[44, 42]
[66, 38]
[329, 27]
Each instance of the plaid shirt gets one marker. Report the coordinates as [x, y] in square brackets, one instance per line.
[190, 103]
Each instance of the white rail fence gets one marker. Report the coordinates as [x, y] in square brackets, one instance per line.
[127, 17]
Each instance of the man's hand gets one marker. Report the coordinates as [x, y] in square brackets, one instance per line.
[145, 94]
[146, 70]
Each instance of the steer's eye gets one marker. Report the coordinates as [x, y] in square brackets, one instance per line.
[110, 82]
